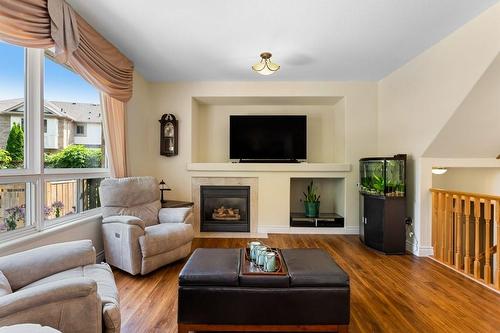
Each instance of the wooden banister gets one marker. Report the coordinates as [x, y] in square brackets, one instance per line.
[461, 220]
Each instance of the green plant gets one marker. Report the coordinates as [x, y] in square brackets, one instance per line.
[75, 156]
[15, 145]
[378, 183]
[311, 195]
[5, 159]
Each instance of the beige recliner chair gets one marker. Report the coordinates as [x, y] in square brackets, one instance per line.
[139, 235]
[60, 286]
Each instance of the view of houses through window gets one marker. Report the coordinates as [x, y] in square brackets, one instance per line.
[73, 139]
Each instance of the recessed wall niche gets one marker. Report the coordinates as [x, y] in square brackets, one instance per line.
[325, 124]
[332, 191]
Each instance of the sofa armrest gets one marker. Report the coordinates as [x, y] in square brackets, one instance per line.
[175, 215]
[46, 293]
[69, 305]
[125, 219]
[25, 267]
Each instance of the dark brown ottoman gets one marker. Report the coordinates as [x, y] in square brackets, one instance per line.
[214, 296]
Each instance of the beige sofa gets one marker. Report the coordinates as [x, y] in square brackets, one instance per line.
[140, 236]
[60, 286]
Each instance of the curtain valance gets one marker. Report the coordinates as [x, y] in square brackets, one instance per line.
[53, 23]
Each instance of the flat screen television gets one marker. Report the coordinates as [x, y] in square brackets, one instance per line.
[276, 138]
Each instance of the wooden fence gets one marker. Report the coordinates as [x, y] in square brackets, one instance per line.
[466, 232]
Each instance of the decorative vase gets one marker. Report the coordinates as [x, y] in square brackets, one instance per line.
[311, 209]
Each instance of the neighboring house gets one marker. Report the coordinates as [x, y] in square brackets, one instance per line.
[65, 123]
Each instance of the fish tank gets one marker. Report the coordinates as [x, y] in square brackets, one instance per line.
[383, 176]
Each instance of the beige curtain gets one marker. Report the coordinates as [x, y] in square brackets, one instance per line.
[63, 29]
[114, 134]
[25, 23]
[48, 23]
[98, 61]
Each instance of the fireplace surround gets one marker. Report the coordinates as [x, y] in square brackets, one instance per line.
[224, 208]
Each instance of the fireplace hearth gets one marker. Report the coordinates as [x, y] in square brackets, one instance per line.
[225, 208]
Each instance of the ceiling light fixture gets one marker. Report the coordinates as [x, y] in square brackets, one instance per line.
[439, 171]
[265, 66]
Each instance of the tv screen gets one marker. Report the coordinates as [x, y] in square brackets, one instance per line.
[278, 137]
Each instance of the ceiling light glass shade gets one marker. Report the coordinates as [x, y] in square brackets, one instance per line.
[439, 171]
[265, 66]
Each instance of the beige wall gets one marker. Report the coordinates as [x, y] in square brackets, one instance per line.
[325, 130]
[476, 180]
[360, 139]
[473, 131]
[417, 100]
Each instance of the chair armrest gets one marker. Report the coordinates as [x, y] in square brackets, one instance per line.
[25, 267]
[125, 219]
[174, 215]
[43, 294]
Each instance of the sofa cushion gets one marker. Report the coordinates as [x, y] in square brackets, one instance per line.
[165, 237]
[211, 267]
[5, 288]
[106, 289]
[29, 266]
[313, 268]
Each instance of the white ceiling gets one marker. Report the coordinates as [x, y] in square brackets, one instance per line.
[192, 40]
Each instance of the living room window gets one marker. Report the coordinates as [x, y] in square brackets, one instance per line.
[12, 110]
[55, 181]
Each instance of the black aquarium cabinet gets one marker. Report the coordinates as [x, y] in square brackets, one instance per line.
[382, 203]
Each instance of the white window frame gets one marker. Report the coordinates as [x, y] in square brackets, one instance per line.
[34, 171]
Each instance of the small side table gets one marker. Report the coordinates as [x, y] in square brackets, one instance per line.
[176, 204]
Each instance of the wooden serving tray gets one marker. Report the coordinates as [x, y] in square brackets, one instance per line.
[249, 268]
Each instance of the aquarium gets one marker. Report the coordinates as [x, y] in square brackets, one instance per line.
[383, 176]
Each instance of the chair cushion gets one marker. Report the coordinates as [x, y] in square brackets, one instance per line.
[211, 267]
[5, 288]
[128, 191]
[313, 268]
[106, 289]
[147, 212]
[165, 237]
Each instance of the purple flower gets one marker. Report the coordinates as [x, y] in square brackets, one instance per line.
[47, 210]
[57, 205]
[17, 211]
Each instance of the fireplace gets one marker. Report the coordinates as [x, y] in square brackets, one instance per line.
[225, 208]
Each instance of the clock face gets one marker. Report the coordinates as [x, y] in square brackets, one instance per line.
[169, 130]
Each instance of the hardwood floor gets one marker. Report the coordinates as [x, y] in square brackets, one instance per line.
[388, 293]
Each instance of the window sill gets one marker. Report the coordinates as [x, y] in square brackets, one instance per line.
[33, 235]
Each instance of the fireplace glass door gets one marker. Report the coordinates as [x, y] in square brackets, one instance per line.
[225, 208]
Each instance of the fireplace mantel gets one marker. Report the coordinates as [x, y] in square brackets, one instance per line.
[270, 167]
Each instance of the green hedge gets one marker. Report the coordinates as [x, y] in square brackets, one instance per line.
[75, 156]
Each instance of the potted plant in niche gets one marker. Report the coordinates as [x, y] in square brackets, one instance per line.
[311, 201]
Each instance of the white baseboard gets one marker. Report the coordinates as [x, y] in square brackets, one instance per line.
[274, 229]
[420, 251]
[425, 251]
